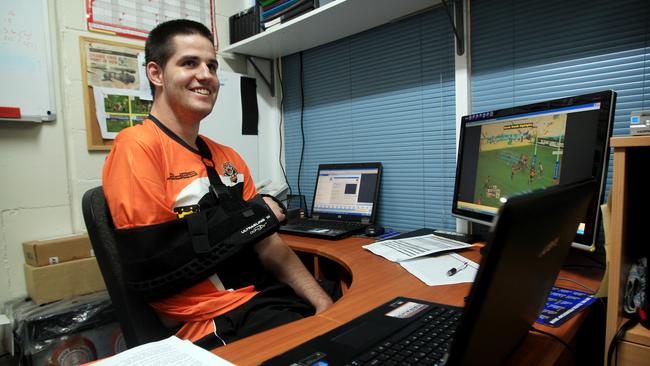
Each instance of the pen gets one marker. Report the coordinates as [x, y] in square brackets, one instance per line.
[453, 271]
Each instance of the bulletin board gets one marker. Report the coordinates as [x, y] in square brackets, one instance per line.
[116, 92]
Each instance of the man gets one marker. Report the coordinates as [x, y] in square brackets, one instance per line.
[155, 174]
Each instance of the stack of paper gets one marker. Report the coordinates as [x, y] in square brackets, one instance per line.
[414, 254]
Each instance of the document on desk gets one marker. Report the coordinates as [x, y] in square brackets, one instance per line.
[434, 271]
[415, 255]
[170, 351]
[397, 250]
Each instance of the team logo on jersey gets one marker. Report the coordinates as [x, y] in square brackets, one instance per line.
[182, 211]
[230, 171]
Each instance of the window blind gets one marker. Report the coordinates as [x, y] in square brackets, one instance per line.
[529, 51]
[384, 95]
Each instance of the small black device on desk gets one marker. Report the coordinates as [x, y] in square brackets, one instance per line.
[374, 230]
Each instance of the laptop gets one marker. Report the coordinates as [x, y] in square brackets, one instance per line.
[345, 201]
[527, 246]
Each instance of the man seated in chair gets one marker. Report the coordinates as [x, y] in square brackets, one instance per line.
[197, 241]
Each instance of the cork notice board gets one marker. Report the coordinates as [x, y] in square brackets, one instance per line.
[116, 92]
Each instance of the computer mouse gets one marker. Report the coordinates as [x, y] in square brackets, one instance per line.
[373, 230]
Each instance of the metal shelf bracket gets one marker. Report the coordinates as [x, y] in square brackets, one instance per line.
[269, 83]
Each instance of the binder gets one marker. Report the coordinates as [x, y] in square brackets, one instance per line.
[307, 5]
[244, 24]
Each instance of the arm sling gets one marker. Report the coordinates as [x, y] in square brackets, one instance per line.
[163, 259]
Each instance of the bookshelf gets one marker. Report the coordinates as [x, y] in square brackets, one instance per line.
[332, 21]
[628, 198]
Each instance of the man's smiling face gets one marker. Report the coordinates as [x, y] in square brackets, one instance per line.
[190, 84]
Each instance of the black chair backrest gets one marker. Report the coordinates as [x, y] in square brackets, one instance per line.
[138, 321]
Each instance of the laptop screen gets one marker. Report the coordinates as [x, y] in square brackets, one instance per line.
[346, 190]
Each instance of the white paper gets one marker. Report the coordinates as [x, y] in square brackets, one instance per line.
[170, 351]
[433, 270]
[145, 88]
[397, 250]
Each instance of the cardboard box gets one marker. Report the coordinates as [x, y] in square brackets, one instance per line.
[58, 281]
[43, 252]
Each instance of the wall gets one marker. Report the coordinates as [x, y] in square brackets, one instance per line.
[46, 168]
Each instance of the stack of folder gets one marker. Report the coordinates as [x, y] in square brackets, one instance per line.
[244, 24]
[274, 12]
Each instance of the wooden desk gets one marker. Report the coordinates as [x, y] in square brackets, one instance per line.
[375, 281]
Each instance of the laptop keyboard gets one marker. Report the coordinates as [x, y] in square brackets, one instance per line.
[422, 343]
[332, 225]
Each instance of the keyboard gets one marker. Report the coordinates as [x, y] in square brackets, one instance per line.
[457, 237]
[332, 225]
[424, 342]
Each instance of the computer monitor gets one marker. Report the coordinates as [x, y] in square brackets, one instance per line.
[510, 151]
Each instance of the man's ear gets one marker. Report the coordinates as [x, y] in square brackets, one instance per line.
[155, 73]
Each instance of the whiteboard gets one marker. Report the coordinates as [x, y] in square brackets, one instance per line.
[26, 62]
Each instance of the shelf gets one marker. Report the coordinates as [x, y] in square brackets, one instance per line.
[630, 156]
[630, 141]
[638, 334]
[332, 21]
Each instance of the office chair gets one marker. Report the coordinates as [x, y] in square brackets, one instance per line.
[138, 321]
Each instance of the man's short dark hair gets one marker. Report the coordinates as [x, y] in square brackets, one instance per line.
[159, 46]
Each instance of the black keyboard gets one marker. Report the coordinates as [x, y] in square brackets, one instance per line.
[424, 342]
[332, 225]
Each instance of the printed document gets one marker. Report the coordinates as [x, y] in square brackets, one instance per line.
[434, 270]
[397, 250]
[170, 351]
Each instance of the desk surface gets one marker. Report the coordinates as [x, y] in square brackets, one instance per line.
[375, 281]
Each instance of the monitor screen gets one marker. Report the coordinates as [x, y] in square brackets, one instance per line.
[346, 190]
[510, 151]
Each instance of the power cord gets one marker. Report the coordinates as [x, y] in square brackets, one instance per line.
[565, 344]
[592, 266]
[284, 172]
[302, 125]
[592, 291]
[613, 346]
[591, 258]
[578, 283]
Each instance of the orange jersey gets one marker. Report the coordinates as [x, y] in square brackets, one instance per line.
[151, 176]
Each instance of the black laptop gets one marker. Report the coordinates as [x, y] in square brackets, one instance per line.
[528, 244]
[344, 203]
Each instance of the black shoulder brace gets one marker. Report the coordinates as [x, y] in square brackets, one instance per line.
[161, 260]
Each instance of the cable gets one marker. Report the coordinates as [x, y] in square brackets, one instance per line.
[583, 266]
[284, 172]
[578, 283]
[565, 344]
[617, 338]
[302, 127]
[592, 291]
[591, 258]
